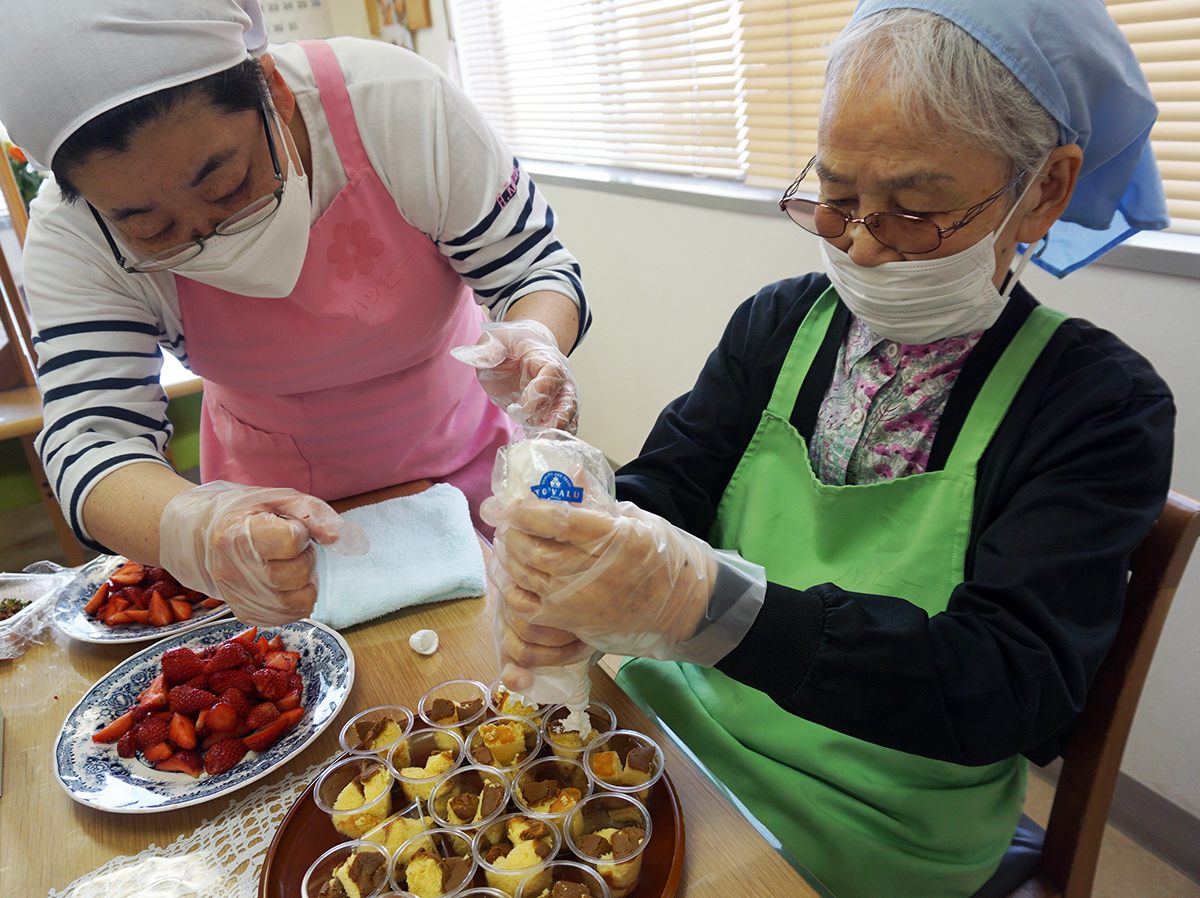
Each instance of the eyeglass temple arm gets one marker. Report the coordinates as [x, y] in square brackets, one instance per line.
[107, 236]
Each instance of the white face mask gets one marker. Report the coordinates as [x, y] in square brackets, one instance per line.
[927, 299]
[265, 260]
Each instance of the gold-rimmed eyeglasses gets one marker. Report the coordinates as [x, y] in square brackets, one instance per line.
[913, 234]
[244, 219]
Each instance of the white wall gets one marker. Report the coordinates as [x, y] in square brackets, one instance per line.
[663, 279]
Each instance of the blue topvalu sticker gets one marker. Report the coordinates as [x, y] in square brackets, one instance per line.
[557, 486]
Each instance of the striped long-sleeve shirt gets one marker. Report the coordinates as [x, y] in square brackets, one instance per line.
[99, 330]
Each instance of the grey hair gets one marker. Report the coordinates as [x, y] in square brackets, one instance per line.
[944, 82]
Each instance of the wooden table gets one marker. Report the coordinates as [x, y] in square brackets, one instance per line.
[47, 840]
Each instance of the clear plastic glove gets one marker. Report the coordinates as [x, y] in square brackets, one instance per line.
[572, 580]
[523, 371]
[253, 547]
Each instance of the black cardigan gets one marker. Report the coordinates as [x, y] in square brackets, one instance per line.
[1072, 481]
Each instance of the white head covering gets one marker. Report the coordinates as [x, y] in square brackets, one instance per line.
[64, 62]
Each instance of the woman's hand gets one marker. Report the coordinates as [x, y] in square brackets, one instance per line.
[252, 547]
[629, 583]
[525, 373]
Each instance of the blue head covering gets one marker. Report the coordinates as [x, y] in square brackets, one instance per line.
[1074, 59]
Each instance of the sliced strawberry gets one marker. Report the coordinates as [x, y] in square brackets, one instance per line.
[140, 713]
[155, 695]
[186, 700]
[261, 715]
[151, 731]
[285, 661]
[246, 638]
[126, 747]
[193, 595]
[200, 682]
[232, 679]
[291, 699]
[96, 602]
[272, 684]
[160, 611]
[276, 643]
[221, 717]
[159, 751]
[238, 699]
[117, 619]
[260, 649]
[180, 608]
[138, 615]
[262, 739]
[168, 588]
[182, 732]
[206, 603]
[139, 597]
[213, 738]
[181, 664]
[116, 729]
[187, 761]
[228, 655]
[129, 574]
[223, 755]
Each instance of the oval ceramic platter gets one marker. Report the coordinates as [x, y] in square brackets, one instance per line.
[94, 774]
[70, 618]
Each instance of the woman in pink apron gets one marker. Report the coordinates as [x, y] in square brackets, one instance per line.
[324, 339]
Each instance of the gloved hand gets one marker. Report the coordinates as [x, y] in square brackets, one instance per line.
[628, 583]
[523, 371]
[253, 547]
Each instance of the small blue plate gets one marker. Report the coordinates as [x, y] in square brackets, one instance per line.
[94, 774]
[70, 618]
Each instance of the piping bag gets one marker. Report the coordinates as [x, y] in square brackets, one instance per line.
[554, 466]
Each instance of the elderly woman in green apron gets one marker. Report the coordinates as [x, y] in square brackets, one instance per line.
[871, 562]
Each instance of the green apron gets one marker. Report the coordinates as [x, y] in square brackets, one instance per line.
[868, 821]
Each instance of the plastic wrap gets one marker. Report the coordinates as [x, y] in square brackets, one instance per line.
[40, 585]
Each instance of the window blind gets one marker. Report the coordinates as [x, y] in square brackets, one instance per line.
[644, 84]
[730, 89]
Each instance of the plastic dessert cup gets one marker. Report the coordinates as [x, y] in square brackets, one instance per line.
[356, 793]
[506, 743]
[569, 743]
[565, 871]
[550, 787]
[376, 730]
[469, 797]
[531, 845]
[435, 862]
[467, 698]
[623, 827]
[624, 761]
[422, 758]
[504, 703]
[403, 825]
[481, 892]
[371, 872]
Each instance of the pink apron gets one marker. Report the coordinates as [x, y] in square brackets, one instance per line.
[347, 384]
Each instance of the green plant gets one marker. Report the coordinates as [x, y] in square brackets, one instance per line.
[28, 178]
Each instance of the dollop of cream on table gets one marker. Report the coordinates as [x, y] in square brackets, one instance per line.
[424, 642]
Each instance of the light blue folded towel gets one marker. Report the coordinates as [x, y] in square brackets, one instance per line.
[423, 549]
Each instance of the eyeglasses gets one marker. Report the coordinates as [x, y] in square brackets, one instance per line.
[244, 219]
[904, 233]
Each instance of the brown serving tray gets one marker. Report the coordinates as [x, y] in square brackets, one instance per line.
[306, 832]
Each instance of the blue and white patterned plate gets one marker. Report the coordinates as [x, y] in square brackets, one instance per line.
[94, 774]
[70, 618]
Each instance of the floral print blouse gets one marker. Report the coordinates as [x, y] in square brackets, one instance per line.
[879, 416]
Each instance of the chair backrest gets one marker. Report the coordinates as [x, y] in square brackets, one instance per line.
[1093, 755]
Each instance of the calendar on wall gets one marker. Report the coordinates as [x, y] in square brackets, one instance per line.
[296, 20]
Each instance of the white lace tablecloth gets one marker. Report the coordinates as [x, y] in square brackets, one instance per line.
[222, 858]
